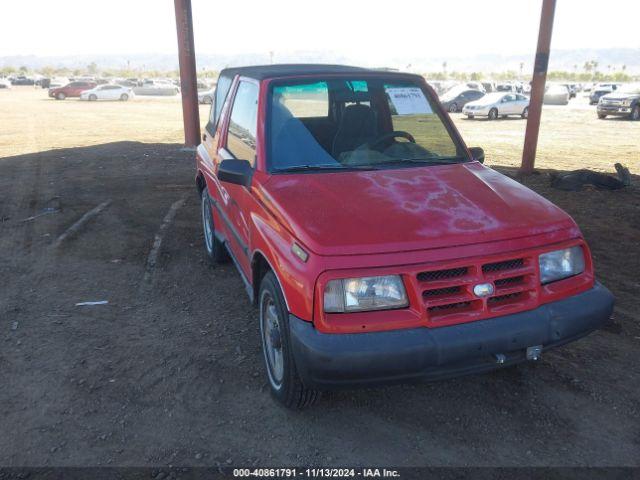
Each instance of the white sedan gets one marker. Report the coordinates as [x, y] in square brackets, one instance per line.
[207, 96]
[498, 104]
[107, 92]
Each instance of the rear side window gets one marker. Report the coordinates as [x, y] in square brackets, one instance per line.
[241, 139]
[305, 100]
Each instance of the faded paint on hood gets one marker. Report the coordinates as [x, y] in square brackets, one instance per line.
[398, 210]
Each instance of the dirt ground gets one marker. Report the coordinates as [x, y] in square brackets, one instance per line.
[170, 372]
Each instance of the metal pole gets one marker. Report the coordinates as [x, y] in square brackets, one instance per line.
[188, 76]
[537, 86]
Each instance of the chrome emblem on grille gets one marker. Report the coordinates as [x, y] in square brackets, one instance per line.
[483, 289]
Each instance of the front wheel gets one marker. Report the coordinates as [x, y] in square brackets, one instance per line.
[60, 96]
[635, 113]
[453, 108]
[525, 113]
[493, 114]
[124, 97]
[215, 249]
[602, 116]
[92, 98]
[284, 381]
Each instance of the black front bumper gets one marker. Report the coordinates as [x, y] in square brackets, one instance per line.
[614, 110]
[335, 360]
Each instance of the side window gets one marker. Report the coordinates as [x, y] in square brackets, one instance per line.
[222, 89]
[241, 140]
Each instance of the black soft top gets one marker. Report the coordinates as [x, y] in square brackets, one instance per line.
[260, 72]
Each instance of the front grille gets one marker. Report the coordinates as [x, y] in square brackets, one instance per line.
[447, 293]
[509, 281]
[442, 274]
[441, 291]
[450, 306]
[504, 265]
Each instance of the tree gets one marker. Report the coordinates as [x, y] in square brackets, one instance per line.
[23, 69]
[8, 70]
[92, 68]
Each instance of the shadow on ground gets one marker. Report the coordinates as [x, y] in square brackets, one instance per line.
[173, 374]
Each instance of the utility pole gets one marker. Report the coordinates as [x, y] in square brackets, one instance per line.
[540, 67]
[188, 76]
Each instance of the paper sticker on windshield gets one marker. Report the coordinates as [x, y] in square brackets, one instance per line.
[409, 101]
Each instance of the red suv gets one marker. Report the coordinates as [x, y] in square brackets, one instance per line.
[376, 245]
[73, 89]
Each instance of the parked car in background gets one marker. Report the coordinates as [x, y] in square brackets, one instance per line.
[476, 86]
[4, 83]
[73, 89]
[108, 92]
[496, 104]
[489, 87]
[458, 97]
[207, 96]
[375, 245]
[597, 92]
[23, 80]
[612, 86]
[571, 88]
[624, 102]
[129, 83]
[556, 95]
[156, 87]
[505, 87]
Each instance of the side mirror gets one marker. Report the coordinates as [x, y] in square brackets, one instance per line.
[477, 153]
[238, 172]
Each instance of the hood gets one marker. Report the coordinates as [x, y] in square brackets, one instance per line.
[381, 211]
[620, 95]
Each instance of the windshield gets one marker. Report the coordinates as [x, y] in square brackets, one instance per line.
[631, 88]
[337, 123]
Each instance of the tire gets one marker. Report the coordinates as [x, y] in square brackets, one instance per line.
[60, 96]
[470, 117]
[207, 100]
[635, 113]
[124, 97]
[92, 98]
[525, 113]
[453, 108]
[215, 249]
[284, 381]
[493, 114]
[602, 116]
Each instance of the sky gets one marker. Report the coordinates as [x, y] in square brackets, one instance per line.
[373, 29]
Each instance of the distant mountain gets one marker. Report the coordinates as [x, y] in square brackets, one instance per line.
[569, 60]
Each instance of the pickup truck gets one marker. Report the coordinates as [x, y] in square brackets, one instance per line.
[376, 246]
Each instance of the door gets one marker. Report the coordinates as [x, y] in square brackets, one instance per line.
[509, 105]
[523, 102]
[240, 144]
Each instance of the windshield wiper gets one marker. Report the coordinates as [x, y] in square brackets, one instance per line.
[328, 167]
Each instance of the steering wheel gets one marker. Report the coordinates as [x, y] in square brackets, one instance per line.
[388, 136]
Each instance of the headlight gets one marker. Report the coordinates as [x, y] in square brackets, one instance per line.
[561, 264]
[362, 294]
[626, 103]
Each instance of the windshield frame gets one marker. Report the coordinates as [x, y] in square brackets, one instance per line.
[418, 81]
